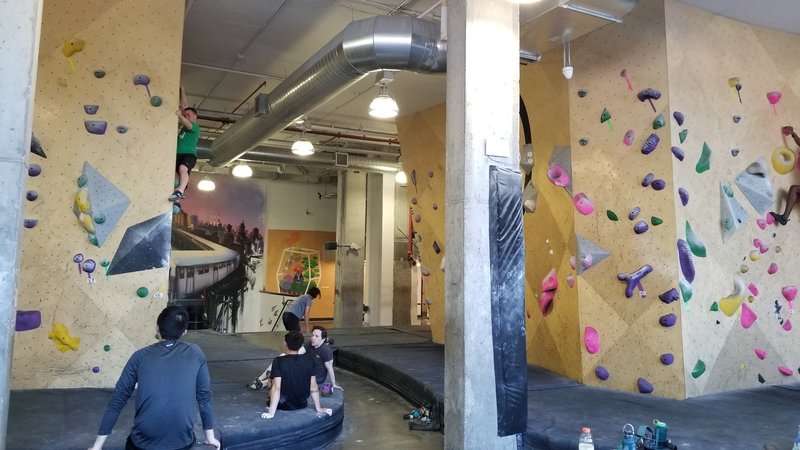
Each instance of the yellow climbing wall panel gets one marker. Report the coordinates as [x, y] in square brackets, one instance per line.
[123, 38]
[704, 52]
[422, 138]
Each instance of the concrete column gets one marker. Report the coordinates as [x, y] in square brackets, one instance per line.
[20, 25]
[482, 66]
[380, 248]
[350, 229]
[402, 299]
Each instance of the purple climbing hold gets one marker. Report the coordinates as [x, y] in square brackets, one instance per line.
[658, 184]
[684, 195]
[678, 152]
[645, 387]
[649, 94]
[630, 135]
[640, 227]
[91, 109]
[650, 144]
[635, 212]
[30, 223]
[667, 359]
[668, 320]
[142, 80]
[417, 218]
[669, 296]
[413, 200]
[601, 373]
[678, 117]
[95, 126]
[28, 320]
[436, 248]
[96, 369]
[31, 196]
[686, 261]
[647, 179]
[34, 170]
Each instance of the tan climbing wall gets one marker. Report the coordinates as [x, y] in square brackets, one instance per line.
[422, 139]
[553, 339]
[123, 38]
[610, 173]
[704, 52]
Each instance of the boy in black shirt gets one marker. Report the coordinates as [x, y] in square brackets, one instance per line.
[293, 379]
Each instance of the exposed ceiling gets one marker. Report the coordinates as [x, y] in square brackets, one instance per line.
[235, 49]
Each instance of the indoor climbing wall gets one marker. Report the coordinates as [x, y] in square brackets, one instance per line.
[422, 137]
[95, 256]
[736, 85]
[551, 298]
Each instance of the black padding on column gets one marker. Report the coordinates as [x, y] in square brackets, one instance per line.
[507, 262]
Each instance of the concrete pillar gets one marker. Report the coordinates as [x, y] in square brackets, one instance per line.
[20, 25]
[401, 293]
[380, 248]
[482, 66]
[350, 229]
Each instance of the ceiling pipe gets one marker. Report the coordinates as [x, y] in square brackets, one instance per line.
[364, 46]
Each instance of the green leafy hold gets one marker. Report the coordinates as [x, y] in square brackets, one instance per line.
[704, 163]
[686, 291]
[699, 368]
[605, 116]
[612, 215]
[659, 122]
[695, 244]
[682, 135]
[656, 221]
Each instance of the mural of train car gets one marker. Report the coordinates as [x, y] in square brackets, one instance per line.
[197, 263]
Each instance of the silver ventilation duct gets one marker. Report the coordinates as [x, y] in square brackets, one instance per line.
[364, 46]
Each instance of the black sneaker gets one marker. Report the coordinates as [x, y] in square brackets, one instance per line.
[779, 218]
[255, 385]
[177, 195]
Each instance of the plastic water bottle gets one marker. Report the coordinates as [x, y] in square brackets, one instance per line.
[660, 434]
[797, 440]
[585, 441]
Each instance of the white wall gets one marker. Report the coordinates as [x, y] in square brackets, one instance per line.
[296, 206]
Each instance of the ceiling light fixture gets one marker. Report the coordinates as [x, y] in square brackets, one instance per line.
[400, 178]
[242, 170]
[303, 147]
[383, 106]
[206, 185]
[526, 2]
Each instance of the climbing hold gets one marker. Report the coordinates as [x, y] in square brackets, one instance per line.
[667, 320]
[605, 116]
[737, 119]
[714, 307]
[558, 175]
[686, 291]
[650, 144]
[699, 368]
[678, 117]
[645, 387]
[99, 218]
[430, 174]
[761, 379]
[678, 153]
[583, 141]
[760, 353]
[583, 204]
[730, 304]
[753, 289]
[659, 122]
[743, 268]
[647, 179]
[783, 160]
[30, 223]
[640, 227]
[658, 184]
[785, 370]
[549, 286]
[435, 206]
[142, 80]
[91, 109]
[649, 94]
[789, 292]
[755, 255]
[60, 336]
[634, 212]
[62, 81]
[106, 348]
[656, 221]
[155, 101]
[778, 249]
[704, 163]
[629, 137]
[634, 280]
[142, 292]
[748, 316]
[787, 325]
[417, 218]
[70, 47]
[31, 195]
[669, 296]
[773, 98]
[582, 93]
[99, 73]
[34, 170]
[571, 280]
[667, 359]
[413, 200]
[735, 152]
[436, 247]
[28, 320]
[773, 269]
[122, 129]
[686, 261]
[682, 135]
[684, 196]
[612, 216]
[601, 373]
[82, 180]
[695, 244]
[95, 126]
[591, 339]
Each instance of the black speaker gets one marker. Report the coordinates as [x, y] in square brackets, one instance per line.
[331, 245]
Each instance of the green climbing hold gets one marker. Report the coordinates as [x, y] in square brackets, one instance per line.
[99, 218]
[699, 368]
[612, 215]
[714, 307]
[695, 244]
[93, 240]
[142, 292]
[686, 291]
[106, 348]
[705, 159]
[659, 122]
[155, 101]
[728, 190]
[682, 135]
[82, 180]
[605, 116]
[656, 221]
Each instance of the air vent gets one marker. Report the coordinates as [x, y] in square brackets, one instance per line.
[341, 159]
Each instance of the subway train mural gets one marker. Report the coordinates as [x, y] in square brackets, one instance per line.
[197, 263]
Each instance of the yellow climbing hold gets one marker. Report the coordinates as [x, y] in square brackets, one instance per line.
[87, 222]
[755, 255]
[61, 337]
[82, 200]
[729, 305]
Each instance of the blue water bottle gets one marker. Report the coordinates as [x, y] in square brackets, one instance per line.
[628, 439]
[660, 434]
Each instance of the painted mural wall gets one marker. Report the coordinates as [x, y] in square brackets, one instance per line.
[110, 147]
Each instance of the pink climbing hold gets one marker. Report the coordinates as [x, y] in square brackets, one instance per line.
[761, 223]
[753, 289]
[789, 292]
[550, 281]
[591, 339]
[583, 204]
[760, 353]
[629, 137]
[787, 326]
[785, 370]
[773, 268]
[586, 262]
[558, 175]
[546, 302]
[770, 219]
[748, 316]
[549, 285]
[572, 261]
[571, 280]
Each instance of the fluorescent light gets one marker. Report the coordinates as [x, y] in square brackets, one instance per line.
[303, 147]
[383, 105]
[400, 178]
[242, 171]
[525, 2]
[206, 185]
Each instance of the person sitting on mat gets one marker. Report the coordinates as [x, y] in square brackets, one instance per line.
[300, 309]
[293, 380]
[317, 348]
